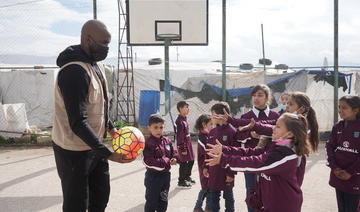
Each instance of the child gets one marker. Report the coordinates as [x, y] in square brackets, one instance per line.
[299, 103]
[260, 99]
[220, 178]
[159, 155]
[343, 148]
[280, 169]
[284, 98]
[184, 146]
[203, 125]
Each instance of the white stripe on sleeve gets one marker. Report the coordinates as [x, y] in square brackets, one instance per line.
[153, 167]
[201, 144]
[273, 165]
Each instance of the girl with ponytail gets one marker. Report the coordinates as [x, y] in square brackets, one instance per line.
[299, 103]
[280, 168]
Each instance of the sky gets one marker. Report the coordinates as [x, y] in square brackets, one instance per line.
[297, 32]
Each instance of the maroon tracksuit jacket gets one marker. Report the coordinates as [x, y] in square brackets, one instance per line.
[227, 135]
[183, 139]
[201, 156]
[343, 151]
[158, 153]
[237, 122]
[262, 127]
[269, 115]
[281, 174]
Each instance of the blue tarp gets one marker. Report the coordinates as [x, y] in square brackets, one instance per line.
[235, 92]
[246, 91]
[149, 104]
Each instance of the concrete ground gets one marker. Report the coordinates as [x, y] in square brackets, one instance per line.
[29, 182]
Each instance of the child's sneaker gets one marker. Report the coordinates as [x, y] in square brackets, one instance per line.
[184, 185]
[191, 181]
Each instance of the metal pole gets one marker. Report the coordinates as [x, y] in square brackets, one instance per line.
[94, 9]
[167, 43]
[224, 50]
[263, 48]
[177, 54]
[336, 60]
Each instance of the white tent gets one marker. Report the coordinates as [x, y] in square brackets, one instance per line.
[192, 77]
[35, 88]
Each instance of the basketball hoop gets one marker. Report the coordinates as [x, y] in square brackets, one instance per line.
[168, 36]
[182, 22]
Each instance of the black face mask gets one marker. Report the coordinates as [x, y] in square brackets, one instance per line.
[98, 52]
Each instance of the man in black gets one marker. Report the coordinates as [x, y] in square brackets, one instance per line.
[81, 121]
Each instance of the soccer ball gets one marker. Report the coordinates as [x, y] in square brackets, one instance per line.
[128, 141]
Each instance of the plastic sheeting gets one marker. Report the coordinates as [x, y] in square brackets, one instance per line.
[201, 92]
[13, 119]
[34, 88]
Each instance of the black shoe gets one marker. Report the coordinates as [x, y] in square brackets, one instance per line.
[184, 185]
[191, 181]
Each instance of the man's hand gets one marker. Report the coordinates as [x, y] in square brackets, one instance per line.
[206, 173]
[120, 158]
[173, 161]
[113, 132]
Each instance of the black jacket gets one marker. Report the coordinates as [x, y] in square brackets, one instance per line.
[74, 82]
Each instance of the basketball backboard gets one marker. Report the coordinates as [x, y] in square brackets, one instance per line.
[147, 19]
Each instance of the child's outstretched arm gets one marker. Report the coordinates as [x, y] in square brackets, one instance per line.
[263, 129]
[257, 127]
[238, 122]
[273, 162]
[231, 150]
[243, 133]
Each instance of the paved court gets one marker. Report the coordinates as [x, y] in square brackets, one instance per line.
[29, 182]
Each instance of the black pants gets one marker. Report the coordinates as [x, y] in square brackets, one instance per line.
[157, 186]
[347, 202]
[228, 196]
[85, 180]
[185, 170]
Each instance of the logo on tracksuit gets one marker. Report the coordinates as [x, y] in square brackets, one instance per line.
[356, 134]
[345, 147]
[266, 177]
[167, 147]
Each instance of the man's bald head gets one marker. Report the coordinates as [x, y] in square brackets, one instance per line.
[94, 31]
